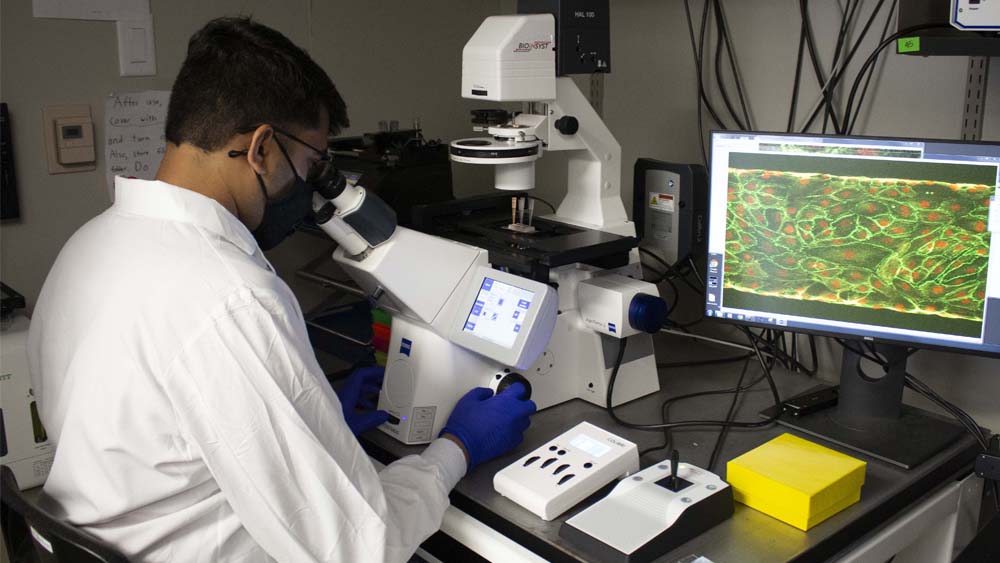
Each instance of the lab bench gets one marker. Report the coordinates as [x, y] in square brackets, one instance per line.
[897, 508]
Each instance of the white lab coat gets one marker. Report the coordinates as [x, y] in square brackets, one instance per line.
[192, 421]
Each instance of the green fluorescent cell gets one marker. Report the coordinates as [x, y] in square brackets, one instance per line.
[916, 247]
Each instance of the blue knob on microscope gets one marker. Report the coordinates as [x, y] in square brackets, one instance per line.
[647, 313]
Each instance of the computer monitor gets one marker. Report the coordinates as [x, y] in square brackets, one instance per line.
[880, 241]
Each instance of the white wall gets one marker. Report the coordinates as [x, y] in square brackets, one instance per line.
[399, 60]
[390, 59]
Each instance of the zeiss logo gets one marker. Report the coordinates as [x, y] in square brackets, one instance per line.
[525, 47]
[612, 328]
[405, 346]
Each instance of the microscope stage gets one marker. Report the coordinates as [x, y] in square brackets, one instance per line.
[485, 222]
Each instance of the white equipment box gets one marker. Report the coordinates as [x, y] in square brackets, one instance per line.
[650, 513]
[24, 446]
[975, 15]
[567, 469]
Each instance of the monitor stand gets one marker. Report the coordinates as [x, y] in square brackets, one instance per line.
[870, 416]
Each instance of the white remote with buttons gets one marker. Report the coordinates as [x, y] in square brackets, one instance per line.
[567, 469]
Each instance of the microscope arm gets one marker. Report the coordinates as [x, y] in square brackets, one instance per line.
[416, 274]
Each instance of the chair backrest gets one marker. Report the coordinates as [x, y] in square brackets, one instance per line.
[52, 539]
[985, 546]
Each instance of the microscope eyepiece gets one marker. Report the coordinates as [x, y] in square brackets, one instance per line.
[327, 180]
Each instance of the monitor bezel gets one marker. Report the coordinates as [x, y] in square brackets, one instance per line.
[834, 333]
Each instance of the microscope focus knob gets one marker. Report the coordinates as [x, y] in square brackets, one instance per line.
[647, 313]
[567, 125]
[504, 380]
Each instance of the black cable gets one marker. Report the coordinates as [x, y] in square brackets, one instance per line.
[697, 51]
[812, 352]
[721, 82]
[730, 415]
[665, 408]
[673, 270]
[663, 277]
[967, 421]
[817, 66]
[690, 423]
[659, 275]
[723, 24]
[711, 362]
[839, 74]
[844, 18]
[798, 79]
[687, 324]
[922, 388]
[672, 306]
[857, 113]
[697, 62]
[701, 136]
[785, 358]
[552, 207]
[694, 270]
[767, 350]
[845, 25]
[795, 347]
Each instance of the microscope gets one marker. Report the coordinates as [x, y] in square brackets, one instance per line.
[494, 293]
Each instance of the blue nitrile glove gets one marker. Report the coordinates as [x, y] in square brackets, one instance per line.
[488, 425]
[358, 397]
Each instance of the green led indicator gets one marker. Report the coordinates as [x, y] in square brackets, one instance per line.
[908, 45]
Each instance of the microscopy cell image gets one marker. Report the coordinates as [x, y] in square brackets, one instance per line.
[903, 252]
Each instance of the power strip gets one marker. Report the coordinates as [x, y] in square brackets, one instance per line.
[567, 469]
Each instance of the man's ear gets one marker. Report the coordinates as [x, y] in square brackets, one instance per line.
[256, 153]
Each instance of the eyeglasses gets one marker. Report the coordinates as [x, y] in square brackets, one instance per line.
[315, 169]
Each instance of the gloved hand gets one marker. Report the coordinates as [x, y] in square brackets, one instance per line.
[488, 425]
[358, 397]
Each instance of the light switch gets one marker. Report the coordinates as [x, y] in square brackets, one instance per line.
[69, 138]
[137, 45]
[136, 53]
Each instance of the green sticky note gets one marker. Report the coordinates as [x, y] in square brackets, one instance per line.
[908, 45]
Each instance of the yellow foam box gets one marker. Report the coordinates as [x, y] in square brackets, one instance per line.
[796, 481]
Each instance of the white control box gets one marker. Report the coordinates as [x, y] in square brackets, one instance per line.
[24, 445]
[648, 514]
[975, 15]
[567, 469]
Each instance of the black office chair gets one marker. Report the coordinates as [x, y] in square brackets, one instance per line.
[33, 535]
[985, 547]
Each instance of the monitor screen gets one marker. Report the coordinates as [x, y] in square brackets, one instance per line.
[498, 312]
[887, 239]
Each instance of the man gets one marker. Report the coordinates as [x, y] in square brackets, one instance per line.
[174, 372]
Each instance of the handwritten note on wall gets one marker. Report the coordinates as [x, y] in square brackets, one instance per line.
[134, 141]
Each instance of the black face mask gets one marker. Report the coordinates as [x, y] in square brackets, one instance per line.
[283, 215]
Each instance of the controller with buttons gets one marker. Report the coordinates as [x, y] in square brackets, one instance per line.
[651, 513]
[567, 469]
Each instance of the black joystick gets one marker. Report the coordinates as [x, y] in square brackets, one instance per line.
[675, 460]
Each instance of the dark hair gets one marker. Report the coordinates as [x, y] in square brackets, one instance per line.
[239, 74]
